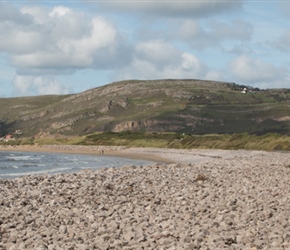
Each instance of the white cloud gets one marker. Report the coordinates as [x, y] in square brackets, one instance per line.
[282, 42]
[191, 63]
[213, 33]
[161, 8]
[17, 40]
[36, 13]
[18, 33]
[71, 53]
[255, 71]
[61, 39]
[37, 85]
[151, 61]
[59, 11]
[13, 15]
[157, 51]
[214, 75]
[235, 30]
[193, 33]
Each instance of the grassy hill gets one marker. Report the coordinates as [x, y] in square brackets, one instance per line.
[182, 106]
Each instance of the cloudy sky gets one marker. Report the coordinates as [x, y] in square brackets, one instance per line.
[60, 47]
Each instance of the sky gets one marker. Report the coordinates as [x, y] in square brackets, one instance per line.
[63, 47]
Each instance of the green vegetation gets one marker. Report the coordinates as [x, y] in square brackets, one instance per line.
[268, 142]
[182, 106]
[173, 140]
[59, 141]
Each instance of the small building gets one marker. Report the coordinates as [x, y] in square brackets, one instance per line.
[9, 137]
[244, 91]
[18, 132]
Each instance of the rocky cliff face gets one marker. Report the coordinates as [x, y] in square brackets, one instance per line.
[187, 106]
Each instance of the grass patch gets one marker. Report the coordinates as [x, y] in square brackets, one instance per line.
[267, 142]
[59, 141]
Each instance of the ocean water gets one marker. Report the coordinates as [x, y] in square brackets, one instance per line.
[15, 164]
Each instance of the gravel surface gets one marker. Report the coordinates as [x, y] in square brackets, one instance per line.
[228, 200]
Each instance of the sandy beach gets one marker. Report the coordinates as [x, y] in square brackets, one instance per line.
[152, 154]
[189, 199]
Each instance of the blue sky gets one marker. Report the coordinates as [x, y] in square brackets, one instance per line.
[61, 47]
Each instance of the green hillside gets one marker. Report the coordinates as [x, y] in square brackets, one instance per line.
[182, 106]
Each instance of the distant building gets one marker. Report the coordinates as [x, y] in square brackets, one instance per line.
[244, 91]
[18, 132]
[8, 137]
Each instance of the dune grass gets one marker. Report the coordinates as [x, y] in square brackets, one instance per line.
[267, 142]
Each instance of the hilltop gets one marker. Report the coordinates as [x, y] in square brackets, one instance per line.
[182, 106]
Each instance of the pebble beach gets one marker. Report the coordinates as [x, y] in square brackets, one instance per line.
[190, 199]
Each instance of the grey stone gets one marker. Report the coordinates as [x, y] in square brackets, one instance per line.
[239, 203]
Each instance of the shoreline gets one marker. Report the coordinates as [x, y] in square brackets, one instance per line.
[113, 151]
[158, 155]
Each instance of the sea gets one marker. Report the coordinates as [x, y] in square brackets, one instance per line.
[15, 164]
